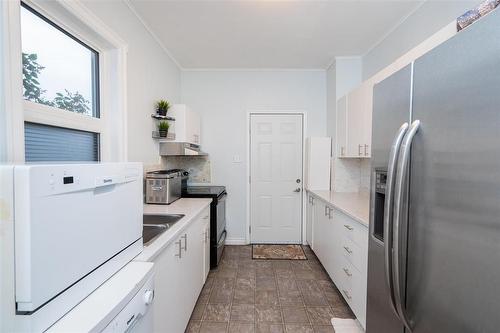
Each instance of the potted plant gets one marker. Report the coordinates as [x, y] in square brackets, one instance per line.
[162, 107]
[163, 128]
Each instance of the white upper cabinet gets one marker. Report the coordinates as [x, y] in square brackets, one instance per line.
[354, 122]
[318, 155]
[187, 124]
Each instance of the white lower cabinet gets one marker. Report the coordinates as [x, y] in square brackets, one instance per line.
[341, 244]
[206, 246]
[319, 227]
[179, 277]
[309, 219]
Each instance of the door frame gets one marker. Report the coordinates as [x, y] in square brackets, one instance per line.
[248, 191]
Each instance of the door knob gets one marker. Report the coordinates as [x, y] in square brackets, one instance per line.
[297, 189]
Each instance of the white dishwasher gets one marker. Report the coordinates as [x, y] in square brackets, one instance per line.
[122, 304]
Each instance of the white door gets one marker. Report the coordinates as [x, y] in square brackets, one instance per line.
[276, 178]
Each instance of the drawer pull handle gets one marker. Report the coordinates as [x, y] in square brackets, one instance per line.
[348, 250]
[346, 271]
[185, 242]
[348, 227]
[346, 294]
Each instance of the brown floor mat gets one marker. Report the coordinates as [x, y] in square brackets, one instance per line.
[272, 251]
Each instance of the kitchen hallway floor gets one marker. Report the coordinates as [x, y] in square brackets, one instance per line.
[273, 296]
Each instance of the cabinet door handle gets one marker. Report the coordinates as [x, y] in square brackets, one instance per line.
[342, 151]
[348, 227]
[180, 249]
[330, 210]
[326, 211]
[346, 271]
[185, 242]
[359, 149]
[366, 150]
[346, 294]
[348, 250]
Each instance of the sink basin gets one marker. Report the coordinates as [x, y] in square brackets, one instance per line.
[170, 219]
[154, 225]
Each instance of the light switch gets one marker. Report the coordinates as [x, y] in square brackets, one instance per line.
[236, 159]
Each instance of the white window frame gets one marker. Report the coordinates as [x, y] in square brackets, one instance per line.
[77, 20]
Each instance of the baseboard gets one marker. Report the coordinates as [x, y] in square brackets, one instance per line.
[236, 241]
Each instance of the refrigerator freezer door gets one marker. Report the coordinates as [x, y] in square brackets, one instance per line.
[454, 225]
[390, 110]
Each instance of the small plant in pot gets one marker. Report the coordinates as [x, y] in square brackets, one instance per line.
[162, 107]
[163, 128]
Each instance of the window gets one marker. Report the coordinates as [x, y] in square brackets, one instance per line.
[72, 91]
[60, 91]
[49, 143]
[58, 69]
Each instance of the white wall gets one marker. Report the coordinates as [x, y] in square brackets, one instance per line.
[425, 21]
[331, 101]
[151, 75]
[348, 73]
[224, 98]
[3, 120]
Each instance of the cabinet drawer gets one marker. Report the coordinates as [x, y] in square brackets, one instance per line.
[353, 288]
[348, 277]
[357, 232]
[354, 253]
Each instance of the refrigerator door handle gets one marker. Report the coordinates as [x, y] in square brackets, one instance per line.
[391, 169]
[401, 177]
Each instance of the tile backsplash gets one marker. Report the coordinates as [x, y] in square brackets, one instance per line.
[351, 175]
[199, 167]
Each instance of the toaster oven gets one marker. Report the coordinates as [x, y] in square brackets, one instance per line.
[164, 186]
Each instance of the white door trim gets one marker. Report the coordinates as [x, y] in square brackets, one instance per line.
[248, 168]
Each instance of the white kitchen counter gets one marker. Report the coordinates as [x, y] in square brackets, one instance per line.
[355, 205]
[191, 207]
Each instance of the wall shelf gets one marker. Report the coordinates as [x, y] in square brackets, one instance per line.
[156, 135]
[160, 117]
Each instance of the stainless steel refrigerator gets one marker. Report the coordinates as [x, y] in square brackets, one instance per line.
[434, 245]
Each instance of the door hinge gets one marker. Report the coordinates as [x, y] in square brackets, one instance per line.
[249, 229]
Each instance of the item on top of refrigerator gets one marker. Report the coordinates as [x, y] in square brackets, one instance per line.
[473, 15]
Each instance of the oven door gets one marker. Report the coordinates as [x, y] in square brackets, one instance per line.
[221, 216]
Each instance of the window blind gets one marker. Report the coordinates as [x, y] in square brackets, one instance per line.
[45, 143]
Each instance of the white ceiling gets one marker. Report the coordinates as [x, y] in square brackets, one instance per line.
[269, 34]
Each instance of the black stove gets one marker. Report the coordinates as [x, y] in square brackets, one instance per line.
[218, 231]
[203, 191]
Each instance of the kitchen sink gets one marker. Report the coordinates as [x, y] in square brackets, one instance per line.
[154, 225]
[169, 219]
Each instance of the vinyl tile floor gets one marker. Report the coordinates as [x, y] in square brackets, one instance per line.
[267, 296]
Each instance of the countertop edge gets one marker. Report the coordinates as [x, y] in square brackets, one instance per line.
[151, 251]
[362, 220]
